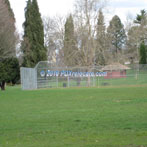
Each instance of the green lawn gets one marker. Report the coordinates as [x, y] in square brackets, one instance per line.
[75, 117]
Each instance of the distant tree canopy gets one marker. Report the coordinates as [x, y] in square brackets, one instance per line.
[33, 40]
[82, 39]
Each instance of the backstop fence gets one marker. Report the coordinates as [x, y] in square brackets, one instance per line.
[48, 75]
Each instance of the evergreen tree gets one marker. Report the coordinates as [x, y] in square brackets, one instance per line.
[141, 18]
[9, 71]
[143, 57]
[38, 33]
[33, 39]
[27, 38]
[101, 40]
[116, 34]
[69, 43]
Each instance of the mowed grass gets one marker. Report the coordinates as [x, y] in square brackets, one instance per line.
[75, 117]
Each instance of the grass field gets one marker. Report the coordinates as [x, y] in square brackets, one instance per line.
[75, 117]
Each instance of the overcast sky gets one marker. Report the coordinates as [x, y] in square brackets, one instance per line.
[62, 7]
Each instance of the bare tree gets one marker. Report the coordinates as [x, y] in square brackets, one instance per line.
[136, 35]
[85, 16]
[133, 43]
[7, 32]
[54, 36]
[129, 22]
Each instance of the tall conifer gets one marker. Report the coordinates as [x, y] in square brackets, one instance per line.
[69, 43]
[33, 39]
[101, 40]
[116, 34]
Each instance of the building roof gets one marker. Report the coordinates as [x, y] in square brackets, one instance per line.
[115, 66]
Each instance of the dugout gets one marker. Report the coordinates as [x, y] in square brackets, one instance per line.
[115, 70]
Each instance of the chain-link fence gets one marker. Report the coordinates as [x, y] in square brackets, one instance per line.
[28, 78]
[48, 75]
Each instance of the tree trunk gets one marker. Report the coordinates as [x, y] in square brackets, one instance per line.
[2, 85]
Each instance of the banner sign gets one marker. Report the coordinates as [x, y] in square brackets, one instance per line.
[63, 73]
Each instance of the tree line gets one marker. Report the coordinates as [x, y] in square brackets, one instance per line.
[84, 39]
[80, 39]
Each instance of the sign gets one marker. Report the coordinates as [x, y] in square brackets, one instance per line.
[63, 73]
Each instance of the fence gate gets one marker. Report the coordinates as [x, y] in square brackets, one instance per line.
[28, 78]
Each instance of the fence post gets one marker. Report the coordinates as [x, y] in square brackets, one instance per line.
[93, 81]
[57, 83]
[98, 82]
[68, 81]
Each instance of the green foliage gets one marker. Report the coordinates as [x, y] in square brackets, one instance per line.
[9, 70]
[3, 73]
[33, 39]
[84, 117]
[116, 34]
[13, 70]
[143, 55]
